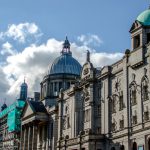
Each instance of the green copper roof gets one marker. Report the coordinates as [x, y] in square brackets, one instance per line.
[144, 18]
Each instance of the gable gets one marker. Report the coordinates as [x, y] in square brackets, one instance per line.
[27, 111]
[135, 26]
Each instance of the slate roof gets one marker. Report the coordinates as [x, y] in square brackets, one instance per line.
[38, 106]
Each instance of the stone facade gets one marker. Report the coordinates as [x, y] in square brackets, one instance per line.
[106, 109]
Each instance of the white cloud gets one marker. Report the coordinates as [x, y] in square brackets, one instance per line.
[21, 31]
[7, 49]
[90, 39]
[33, 61]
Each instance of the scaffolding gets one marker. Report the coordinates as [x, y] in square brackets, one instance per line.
[13, 113]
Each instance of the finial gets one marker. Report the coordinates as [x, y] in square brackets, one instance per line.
[66, 38]
[24, 79]
[88, 56]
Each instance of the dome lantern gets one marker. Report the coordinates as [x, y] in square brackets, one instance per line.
[66, 46]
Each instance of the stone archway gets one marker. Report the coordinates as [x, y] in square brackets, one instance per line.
[134, 146]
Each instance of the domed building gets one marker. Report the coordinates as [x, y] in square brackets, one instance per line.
[106, 109]
[60, 75]
[40, 118]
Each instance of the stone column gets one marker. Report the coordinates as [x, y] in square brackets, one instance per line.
[25, 139]
[29, 135]
[38, 139]
[34, 139]
[22, 138]
[43, 137]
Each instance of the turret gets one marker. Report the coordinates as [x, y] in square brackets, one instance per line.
[23, 91]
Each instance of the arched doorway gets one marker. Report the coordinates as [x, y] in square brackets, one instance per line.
[122, 147]
[149, 144]
[134, 146]
[113, 148]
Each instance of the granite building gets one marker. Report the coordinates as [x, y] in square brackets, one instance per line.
[90, 108]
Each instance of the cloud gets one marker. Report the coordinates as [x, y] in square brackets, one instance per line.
[90, 40]
[21, 32]
[7, 49]
[32, 61]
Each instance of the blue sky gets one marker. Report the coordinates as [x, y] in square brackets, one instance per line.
[32, 33]
[110, 20]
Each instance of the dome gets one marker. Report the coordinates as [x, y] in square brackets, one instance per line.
[144, 18]
[65, 64]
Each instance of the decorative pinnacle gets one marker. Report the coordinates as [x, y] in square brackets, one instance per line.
[88, 56]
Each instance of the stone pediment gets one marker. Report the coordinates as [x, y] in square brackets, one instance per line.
[27, 111]
[135, 25]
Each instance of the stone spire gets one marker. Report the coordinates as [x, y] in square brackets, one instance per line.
[23, 91]
[88, 56]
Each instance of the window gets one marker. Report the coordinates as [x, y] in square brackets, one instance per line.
[133, 97]
[145, 92]
[114, 104]
[146, 115]
[44, 90]
[148, 38]
[68, 122]
[98, 130]
[134, 119]
[136, 41]
[121, 102]
[60, 85]
[113, 126]
[122, 147]
[121, 124]
[134, 146]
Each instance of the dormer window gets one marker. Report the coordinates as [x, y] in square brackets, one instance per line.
[136, 41]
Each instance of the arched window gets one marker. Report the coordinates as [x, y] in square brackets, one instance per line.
[134, 146]
[122, 147]
[133, 96]
[121, 101]
[145, 92]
